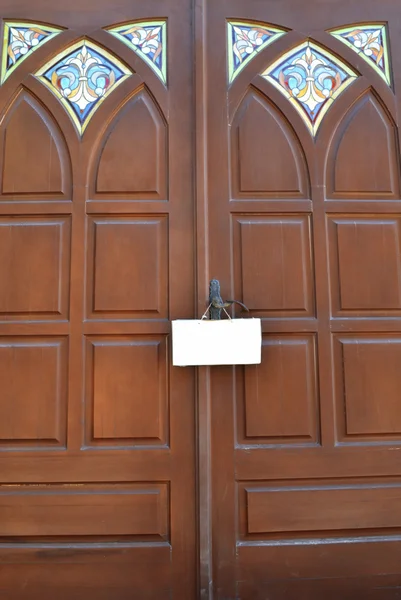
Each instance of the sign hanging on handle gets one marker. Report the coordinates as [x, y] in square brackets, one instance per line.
[222, 342]
[217, 341]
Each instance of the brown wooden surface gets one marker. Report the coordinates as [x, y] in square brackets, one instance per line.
[97, 431]
[306, 446]
[122, 477]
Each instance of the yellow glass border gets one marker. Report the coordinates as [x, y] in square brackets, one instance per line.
[113, 59]
[313, 127]
[53, 31]
[161, 73]
[277, 32]
[338, 33]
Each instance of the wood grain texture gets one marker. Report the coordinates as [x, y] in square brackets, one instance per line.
[138, 132]
[305, 231]
[27, 126]
[74, 510]
[97, 431]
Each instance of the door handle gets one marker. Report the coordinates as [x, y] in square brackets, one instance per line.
[216, 302]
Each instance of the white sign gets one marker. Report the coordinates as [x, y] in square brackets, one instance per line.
[225, 342]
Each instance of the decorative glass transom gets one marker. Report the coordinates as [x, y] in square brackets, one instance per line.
[245, 40]
[82, 77]
[20, 40]
[370, 42]
[149, 40]
[311, 78]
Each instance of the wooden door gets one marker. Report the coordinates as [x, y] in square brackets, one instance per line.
[96, 430]
[304, 219]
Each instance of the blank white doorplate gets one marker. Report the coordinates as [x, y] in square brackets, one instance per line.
[225, 342]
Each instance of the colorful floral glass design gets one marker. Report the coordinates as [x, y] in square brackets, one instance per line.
[20, 40]
[370, 42]
[149, 40]
[311, 78]
[245, 40]
[82, 77]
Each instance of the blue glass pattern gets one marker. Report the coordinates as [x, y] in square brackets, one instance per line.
[245, 40]
[310, 77]
[148, 39]
[370, 42]
[83, 77]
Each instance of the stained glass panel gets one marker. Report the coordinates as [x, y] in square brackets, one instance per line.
[149, 40]
[311, 78]
[20, 40]
[245, 40]
[370, 42]
[82, 77]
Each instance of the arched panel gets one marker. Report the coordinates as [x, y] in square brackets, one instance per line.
[136, 138]
[266, 156]
[35, 157]
[363, 158]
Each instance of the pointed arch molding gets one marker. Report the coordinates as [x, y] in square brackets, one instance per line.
[245, 39]
[26, 127]
[81, 77]
[267, 159]
[148, 39]
[367, 132]
[137, 130]
[20, 40]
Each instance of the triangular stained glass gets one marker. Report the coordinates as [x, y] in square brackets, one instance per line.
[370, 42]
[148, 39]
[20, 39]
[311, 78]
[244, 40]
[81, 77]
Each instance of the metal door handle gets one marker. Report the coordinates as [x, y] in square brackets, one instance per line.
[216, 302]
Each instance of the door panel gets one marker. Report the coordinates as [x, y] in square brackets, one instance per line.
[304, 203]
[97, 441]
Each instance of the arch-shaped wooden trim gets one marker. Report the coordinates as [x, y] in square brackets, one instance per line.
[101, 131]
[46, 114]
[135, 63]
[299, 154]
[297, 125]
[332, 147]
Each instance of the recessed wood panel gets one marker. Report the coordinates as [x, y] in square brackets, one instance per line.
[126, 391]
[33, 394]
[103, 571]
[273, 264]
[127, 267]
[266, 157]
[364, 160]
[334, 507]
[35, 158]
[74, 510]
[133, 158]
[368, 377]
[34, 268]
[281, 393]
[373, 587]
[365, 264]
[350, 568]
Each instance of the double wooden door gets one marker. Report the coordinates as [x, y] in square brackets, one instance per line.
[146, 148]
